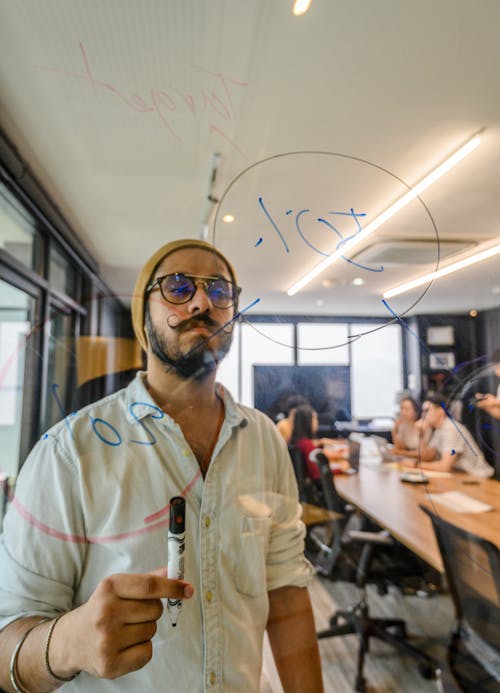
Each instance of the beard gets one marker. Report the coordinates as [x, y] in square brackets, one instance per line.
[201, 360]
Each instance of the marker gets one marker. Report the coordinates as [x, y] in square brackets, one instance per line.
[175, 547]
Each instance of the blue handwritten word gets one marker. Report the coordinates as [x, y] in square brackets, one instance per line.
[342, 240]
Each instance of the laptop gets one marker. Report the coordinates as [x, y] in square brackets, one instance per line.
[384, 449]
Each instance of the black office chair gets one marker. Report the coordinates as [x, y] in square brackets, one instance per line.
[308, 492]
[374, 558]
[472, 567]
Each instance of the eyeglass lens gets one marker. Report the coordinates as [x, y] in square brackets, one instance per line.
[178, 288]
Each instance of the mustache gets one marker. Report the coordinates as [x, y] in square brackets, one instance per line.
[201, 320]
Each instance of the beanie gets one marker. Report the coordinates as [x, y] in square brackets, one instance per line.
[145, 275]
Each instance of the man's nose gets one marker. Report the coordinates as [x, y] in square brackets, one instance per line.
[200, 301]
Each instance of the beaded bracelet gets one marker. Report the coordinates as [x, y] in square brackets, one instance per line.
[47, 643]
[14, 681]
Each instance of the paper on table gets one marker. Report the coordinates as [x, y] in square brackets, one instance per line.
[430, 473]
[459, 502]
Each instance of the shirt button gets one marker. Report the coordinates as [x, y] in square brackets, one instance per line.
[209, 596]
[213, 678]
[207, 522]
[185, 453]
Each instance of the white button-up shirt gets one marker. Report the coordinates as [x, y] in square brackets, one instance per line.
[92, 500]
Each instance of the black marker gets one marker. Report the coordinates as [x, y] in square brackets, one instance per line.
[175, 547]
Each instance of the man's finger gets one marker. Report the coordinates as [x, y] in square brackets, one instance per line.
[146, 586]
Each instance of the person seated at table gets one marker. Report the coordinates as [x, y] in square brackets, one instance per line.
[411, 432]
[455, 447]
[285, 425]
[489, 402]
[305, 425]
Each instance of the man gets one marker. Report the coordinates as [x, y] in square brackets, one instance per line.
[489, 402]
[87, 529]
[454, 445]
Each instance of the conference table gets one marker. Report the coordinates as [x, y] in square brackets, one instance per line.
[379, 493]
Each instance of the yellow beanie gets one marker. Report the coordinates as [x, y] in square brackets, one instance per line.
[146, 274]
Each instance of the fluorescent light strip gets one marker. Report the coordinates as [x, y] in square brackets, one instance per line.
[389, 212]
[449, 269]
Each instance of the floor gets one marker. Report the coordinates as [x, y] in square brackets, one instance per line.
[386, 670]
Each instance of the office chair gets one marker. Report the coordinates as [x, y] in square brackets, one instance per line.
[375, 558]
[472, 567]
[308, 492]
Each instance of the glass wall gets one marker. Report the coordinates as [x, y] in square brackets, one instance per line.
[43, 315]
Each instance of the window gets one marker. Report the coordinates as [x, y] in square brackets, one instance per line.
[18, 235]
[16, 320]
[376, 370]
[62, 275]
[319, 335]
[61, 367]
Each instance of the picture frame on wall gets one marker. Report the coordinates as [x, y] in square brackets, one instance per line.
[442, 335]
[442, 360]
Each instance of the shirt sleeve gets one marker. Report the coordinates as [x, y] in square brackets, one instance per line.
[43, 543]
[286, 563]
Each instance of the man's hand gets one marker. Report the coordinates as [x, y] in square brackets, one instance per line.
[110, 635]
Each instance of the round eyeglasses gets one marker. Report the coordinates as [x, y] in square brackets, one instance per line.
[180, 288]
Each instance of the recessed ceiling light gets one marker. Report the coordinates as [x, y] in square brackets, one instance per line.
[228, 218]
[300, 7]
[358, 281]
[320, 302]
[473, 313]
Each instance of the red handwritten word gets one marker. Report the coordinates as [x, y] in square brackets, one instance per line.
[163, 102]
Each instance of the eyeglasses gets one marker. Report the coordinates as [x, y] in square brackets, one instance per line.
[180, 288]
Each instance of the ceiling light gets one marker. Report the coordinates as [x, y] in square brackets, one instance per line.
[473, 313]
[387, 214]
[300, 7]
[461, 264]
[358, 281]
[228, 218]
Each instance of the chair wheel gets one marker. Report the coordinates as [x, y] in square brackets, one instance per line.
[361, 684]
[427, 671]
[400, 631]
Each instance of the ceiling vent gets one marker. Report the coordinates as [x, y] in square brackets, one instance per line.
[395, 253]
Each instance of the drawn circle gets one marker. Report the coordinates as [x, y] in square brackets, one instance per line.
[395, 317]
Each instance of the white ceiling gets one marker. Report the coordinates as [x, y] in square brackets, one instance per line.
[119, 107]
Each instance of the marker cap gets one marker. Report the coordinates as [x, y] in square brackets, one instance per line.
[177, 523]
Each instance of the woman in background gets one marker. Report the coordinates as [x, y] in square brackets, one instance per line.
[285, 425]
[411, 434]
[305, 427]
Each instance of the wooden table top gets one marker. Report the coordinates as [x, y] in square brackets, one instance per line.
[379, 493]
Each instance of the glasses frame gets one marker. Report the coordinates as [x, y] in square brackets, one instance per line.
[157, 283]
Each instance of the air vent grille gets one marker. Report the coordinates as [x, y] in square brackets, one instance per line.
[395, 253]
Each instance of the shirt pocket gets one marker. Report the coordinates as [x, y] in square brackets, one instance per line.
[250, 573]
